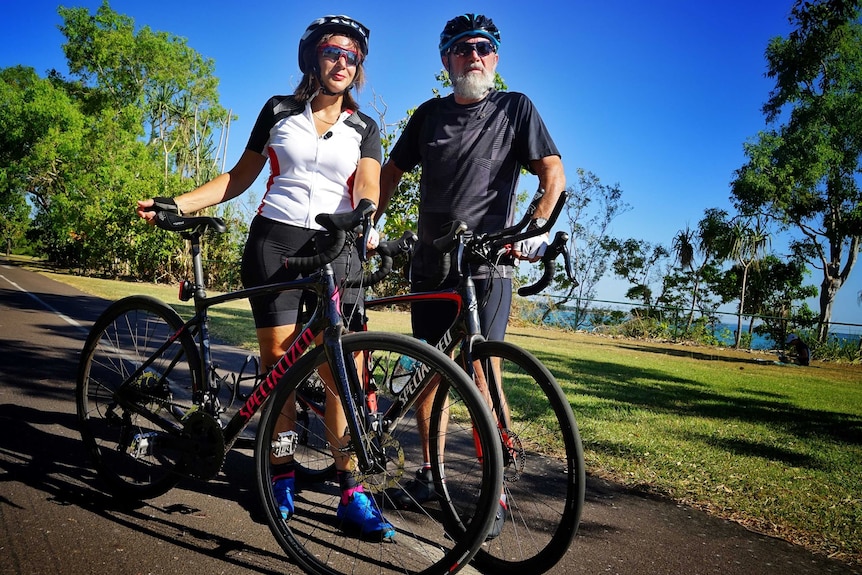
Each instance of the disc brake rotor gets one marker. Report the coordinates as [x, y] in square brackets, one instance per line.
[394, 456]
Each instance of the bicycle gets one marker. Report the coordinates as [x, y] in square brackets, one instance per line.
[150, 406]
[540, 443]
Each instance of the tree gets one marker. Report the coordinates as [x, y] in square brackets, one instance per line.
[590, 209]
[774, 286]
[637, 261]
[747, 242]
[704, 241]
[42, 133]
[157, 72]
[805, 172]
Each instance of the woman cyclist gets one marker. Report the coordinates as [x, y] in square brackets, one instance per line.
[324, 157]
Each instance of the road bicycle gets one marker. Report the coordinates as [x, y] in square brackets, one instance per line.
[154, 408]
[544, 471]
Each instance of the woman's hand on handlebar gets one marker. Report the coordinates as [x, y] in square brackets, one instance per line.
[155, 206]
[373, 239]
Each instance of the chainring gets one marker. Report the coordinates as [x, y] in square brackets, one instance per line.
[205, 455]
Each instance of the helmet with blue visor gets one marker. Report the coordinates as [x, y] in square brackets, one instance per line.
[468, 26]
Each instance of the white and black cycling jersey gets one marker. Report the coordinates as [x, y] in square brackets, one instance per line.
[310, 174]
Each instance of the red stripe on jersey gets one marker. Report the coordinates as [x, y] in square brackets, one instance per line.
[274, 170]
[350, 181]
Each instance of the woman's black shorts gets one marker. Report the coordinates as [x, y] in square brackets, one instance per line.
[268, 245]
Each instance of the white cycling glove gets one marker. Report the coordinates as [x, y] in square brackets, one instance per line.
[532, 248]
[373, 239]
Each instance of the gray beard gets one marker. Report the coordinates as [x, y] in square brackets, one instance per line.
[473, 86]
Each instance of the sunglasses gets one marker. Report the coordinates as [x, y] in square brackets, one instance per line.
[333, 53]
[466, 48]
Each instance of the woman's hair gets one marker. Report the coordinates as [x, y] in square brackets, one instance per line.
[309, 84]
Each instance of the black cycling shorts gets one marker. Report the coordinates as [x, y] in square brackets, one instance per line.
[431, 319]
[269, 243]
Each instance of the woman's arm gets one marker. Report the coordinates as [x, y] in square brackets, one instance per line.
[220, 189]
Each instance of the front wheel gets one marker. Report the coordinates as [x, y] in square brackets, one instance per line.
[125, 385]
[439, 535]
[543, 462]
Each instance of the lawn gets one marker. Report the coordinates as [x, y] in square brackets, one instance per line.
[777, 448]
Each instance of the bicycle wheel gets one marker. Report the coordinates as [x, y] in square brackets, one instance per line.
[426, 541]
[129, 450]
[313, 458]
[543, 464]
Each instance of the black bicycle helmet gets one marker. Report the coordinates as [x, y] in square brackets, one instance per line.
[468, 25]
[329, 25]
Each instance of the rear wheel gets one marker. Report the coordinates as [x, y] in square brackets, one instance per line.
[124, 387]
[543, 462]
[439, 536]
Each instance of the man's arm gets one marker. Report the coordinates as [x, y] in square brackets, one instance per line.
[390, 176]
[552, 178]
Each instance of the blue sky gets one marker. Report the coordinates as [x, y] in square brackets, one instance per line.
[657, 96]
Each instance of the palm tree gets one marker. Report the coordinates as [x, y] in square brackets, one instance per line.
[705, 241]
[684, 249]
[747, 244]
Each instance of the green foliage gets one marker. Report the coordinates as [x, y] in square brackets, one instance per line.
[638, 262]
[804, 173]
[836, 350]
[140, 117]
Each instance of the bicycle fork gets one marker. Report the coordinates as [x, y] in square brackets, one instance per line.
[367, 448]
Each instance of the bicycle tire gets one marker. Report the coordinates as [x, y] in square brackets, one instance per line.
[313, 459]
[543, 467]
[425, 542]
[125, 447]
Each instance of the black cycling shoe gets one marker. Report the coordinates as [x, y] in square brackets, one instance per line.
[499, 521]
[417, 491]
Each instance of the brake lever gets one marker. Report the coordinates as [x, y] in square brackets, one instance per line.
[567, 260]
[363, 243]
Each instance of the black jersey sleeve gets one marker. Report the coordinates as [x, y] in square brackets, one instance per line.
[370, 146]
[274, 109]
[533, 140]
[407, 152]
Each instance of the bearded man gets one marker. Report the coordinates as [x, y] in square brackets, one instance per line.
[471, 146]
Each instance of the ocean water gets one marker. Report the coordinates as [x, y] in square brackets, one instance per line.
[724, 331]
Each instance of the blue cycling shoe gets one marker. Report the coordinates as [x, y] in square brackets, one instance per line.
[283, 489]
[499, 522]
[361, 514]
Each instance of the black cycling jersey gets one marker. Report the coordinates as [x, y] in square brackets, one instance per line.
[471, 157]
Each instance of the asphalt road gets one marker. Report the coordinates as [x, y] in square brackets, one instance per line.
[55, 518]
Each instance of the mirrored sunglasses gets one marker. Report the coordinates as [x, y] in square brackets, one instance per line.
[332, 53]
[466, 48]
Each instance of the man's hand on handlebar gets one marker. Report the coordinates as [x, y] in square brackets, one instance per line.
[531, 249]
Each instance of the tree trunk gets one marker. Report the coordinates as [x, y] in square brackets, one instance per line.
[741, 307]
[828, 290]
[694, 294]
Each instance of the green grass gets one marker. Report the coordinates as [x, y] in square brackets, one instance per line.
[776, 448]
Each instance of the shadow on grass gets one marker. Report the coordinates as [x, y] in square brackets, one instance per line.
[632, 387]
[746, 447]
[690, 353]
